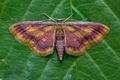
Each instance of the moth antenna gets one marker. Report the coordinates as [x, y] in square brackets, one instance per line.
[49, 17]
[68, 17]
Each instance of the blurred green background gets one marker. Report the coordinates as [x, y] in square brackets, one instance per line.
[101, 62]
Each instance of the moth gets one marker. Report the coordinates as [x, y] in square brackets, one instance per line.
[70, 37]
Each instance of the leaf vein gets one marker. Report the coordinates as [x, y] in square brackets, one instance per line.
[110, 10]
[3, 8]
[11, 47]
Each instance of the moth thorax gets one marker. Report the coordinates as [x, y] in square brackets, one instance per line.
[59, 34]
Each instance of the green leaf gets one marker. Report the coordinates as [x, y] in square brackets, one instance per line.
[101, 62]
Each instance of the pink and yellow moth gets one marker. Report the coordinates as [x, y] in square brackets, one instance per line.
[74, 38]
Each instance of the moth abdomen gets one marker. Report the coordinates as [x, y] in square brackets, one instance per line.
[60, 43]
